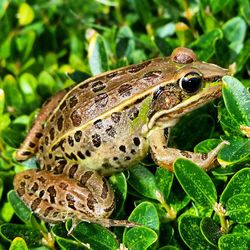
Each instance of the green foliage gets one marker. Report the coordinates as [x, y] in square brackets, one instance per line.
[46, 46]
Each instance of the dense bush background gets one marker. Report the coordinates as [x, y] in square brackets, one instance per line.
[43, 42]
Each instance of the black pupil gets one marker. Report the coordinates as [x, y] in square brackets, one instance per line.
[191, 85]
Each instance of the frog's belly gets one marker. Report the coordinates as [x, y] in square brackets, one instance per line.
[102, 147]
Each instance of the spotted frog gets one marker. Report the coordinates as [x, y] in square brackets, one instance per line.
[106, 124]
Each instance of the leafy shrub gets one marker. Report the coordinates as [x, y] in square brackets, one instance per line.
[42, 42]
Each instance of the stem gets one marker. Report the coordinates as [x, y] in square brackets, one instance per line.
[171, 212]
[221, 212]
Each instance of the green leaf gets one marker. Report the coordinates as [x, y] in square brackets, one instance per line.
[95, 235]
[146, 214]
[238, 208]
[1, 188]
[204, 45]
[218, 5]
[195, 182]
[169, 248]
[210, 230]
[206, 146]
[235, 32]
[119, 185]
[245, 10]
[2, 101]
[189, 229]
[237, 100]
[10, 231]
[25, 14]
[97, 55]
[144, 10]
[164, 181]
[236, 152]
[22, 211]
[66, 244]
[234, 242]
[143, 181]
[78, 76]
[243, 56]
[18, 244]
[6, 211]
[138, 238]
[125, 44]
[239, 184]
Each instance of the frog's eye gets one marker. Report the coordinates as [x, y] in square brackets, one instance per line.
[191, 82]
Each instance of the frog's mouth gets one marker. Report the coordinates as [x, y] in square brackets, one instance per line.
[170, 117]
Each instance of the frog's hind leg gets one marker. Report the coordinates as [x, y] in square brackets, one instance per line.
[30, 144]
[165, 156]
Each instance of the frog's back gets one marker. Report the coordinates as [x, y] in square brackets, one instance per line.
[100, 96]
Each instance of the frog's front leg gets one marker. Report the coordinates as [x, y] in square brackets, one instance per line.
[165, 156]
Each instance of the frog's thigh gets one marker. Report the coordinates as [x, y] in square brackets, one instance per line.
[165, 156]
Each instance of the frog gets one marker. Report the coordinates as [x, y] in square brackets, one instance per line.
[106, 124]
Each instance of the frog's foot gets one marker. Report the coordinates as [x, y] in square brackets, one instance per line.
[165, 156]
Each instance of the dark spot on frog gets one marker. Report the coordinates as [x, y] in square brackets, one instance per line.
[111, 208]
[50, 156]
[106, 165]
[91, 201]
[115, 158]
[136, 141]
[35, 203]
[127, 158]
[98, 124]
[81, 155]
[104, 193]
[34, 187]
[116, 116]
[71, 141]
[85, 177]
[138, 67]
[125, 90]
[38, 135]
[63, 105]
[46, 140]
[87, 153]
[71, 201]
[47, 211]
[73, 170]
[60, 166]
[133, 151]
[204, 156]
[41, 193]
[63, 185]
[41, 179]
[186, 154]
[76, 118]
[55, 214]
[150, 76]
[73, 101]
[133, 113]
[26, 153]
[31, 144]
[48, 167]
[101, 100]
[26, 177]
[122, 148]
[52, 194]
[21, 191]
[96, 140]
[78, 135]
[98, 86]
[60, 123]
[72, 156]
[52, 134]
[59, 144]
[111, 75]
[84, 85]
[111, 131]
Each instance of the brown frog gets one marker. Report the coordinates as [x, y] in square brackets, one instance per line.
[106, 124]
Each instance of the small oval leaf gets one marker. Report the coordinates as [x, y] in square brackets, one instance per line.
[238, 208]
[234, 241]
[138, 238]
[195, 182]
[146, 214]
[18, 244]
[240, 183]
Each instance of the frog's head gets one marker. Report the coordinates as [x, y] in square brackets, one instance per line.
[192, 85]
